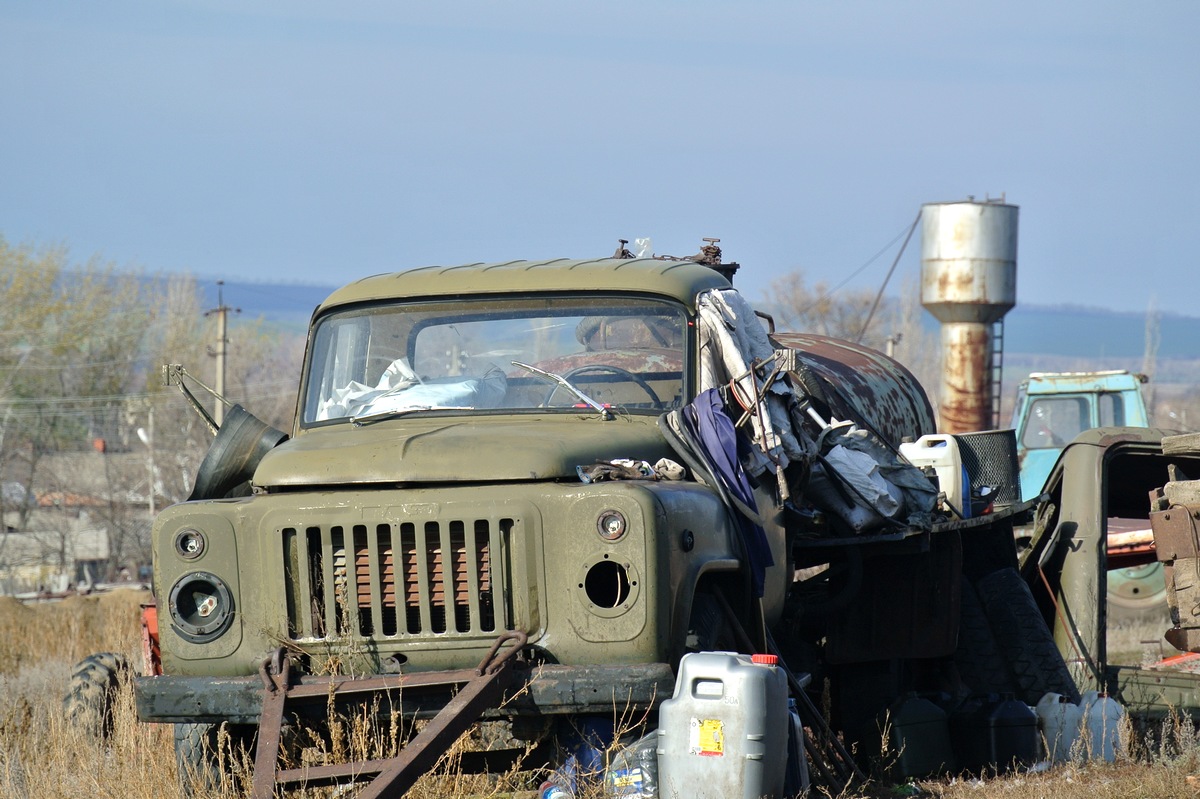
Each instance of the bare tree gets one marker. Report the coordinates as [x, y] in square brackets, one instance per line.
[917, 346]
[85, 419]
[818, 309]
[896, 326]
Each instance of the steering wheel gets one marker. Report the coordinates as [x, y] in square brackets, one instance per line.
[615, 370]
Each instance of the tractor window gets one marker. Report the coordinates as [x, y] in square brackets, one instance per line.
[1112, 410]
[1053, 422]
[1017, 406]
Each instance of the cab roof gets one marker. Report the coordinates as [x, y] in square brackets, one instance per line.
[680, 280]
[1083, 382]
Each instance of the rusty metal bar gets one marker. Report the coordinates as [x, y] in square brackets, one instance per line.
[481, 688]
[456, 717]
[173, 374]
[275, 672]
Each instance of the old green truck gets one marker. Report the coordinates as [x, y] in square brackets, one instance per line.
[494, 503]
[1107, 480]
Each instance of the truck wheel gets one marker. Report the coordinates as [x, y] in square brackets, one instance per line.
[980, 662]
[92, 692]
[194, 755]
[207, 760]
[1036, 665]
[709, 630]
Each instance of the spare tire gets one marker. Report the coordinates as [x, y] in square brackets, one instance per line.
[229, 464]
[1025, 641]
[980, 663]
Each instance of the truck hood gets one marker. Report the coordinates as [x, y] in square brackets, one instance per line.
[454, 449]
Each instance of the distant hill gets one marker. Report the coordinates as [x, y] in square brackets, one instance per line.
[1097, 333]
[287, 304]
[1061, 333]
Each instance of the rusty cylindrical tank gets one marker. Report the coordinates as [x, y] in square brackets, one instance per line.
[861, 384]
[968, 282]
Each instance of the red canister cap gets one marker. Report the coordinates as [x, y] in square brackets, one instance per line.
[765, 660]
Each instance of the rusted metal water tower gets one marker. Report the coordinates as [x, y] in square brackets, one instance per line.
[969, 282]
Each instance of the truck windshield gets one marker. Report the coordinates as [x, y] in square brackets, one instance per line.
[371, 361]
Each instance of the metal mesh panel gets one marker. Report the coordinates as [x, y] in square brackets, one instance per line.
[990, 458]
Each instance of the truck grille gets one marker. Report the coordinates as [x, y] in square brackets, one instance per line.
[397, 579]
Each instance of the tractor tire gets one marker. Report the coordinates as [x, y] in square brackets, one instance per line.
[1138, 594]
[1028, 647]
[93, 689]
[980, 663]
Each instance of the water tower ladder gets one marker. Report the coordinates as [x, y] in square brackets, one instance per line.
[997, 370]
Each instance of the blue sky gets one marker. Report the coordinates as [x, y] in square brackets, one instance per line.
[319, 142]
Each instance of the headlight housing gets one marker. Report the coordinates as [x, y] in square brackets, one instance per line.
[190, 544]
[201, 607]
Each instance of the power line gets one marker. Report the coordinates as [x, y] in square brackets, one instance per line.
[255, 390]
[59, 367]
[879, 296]
[907, 230]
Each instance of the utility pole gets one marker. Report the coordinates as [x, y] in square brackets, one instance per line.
[146, 435]
[222, 313]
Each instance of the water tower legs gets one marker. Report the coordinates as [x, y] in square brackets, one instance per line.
[965, 404]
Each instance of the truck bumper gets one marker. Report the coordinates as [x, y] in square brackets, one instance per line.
[539, 691]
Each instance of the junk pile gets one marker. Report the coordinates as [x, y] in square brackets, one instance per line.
[763, 431]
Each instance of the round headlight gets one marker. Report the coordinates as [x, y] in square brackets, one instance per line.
[190, 544]
[611, 525]
[201, 607]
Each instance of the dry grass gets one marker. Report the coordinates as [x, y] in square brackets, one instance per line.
[1161, 763]
[44, 757]
[1139, 643]
[33, 635]
[1108, 781]
[41, 754]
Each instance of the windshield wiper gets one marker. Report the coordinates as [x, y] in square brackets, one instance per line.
[379, 416]
[604, 412]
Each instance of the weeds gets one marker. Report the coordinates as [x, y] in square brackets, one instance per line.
[42, 756]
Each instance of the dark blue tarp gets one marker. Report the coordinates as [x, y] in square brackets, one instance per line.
[717, 441]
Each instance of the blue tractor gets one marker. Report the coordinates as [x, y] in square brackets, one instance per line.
[1052, 408]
